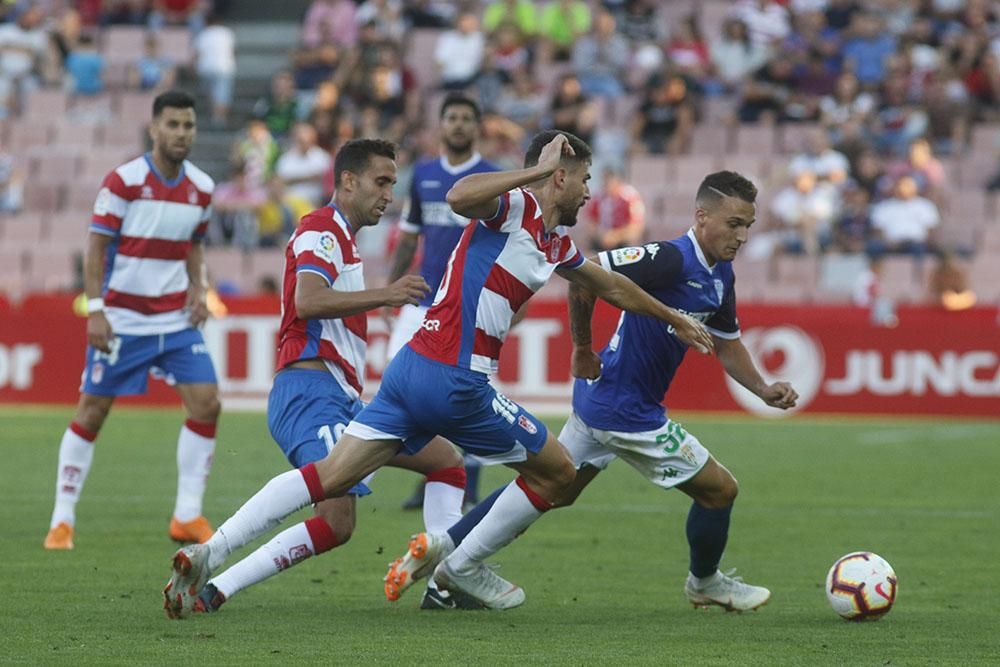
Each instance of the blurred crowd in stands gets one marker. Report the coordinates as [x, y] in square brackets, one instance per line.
[858, 119]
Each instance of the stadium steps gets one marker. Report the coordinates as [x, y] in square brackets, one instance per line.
[262, 48]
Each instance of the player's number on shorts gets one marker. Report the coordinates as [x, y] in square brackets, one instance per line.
[673, 438]
[330, 436]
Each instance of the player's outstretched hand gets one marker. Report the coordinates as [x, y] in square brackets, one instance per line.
[780, 395]
[585, 364]
[694, 333]
[197, 306]
[99, 333]
[406, 290]
[553, 151]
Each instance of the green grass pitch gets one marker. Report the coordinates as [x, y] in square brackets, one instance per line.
[603, 578]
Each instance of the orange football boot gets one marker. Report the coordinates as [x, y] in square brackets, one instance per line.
[60, 537]
[196, 530]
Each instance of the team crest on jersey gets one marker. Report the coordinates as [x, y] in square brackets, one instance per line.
[103, 202]
[192, 195]
[527, 425]
[719, 288]
[326, 247]
[555, 248]
[146, 193]
[623, 256]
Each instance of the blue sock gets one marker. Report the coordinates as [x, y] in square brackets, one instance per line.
[472, 469]
[465, 525]
[707, 532]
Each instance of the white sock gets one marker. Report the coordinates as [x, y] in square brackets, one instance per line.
[194, 461]
[284, 494]
[442, 506]
[287, 548]
[76, 453]
[510, 515]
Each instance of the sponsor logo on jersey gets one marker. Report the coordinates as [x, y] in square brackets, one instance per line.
[670, 472]
[695, 284]
[326, 247]
[623, 256]
[430, 184]
[719, 289]
[431, 325]
[527, 425]
[103, 202]
[652, 249]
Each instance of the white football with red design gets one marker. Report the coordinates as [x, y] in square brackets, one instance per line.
[861, 586]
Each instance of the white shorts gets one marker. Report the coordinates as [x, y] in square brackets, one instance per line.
[409, 320]
[666, 457]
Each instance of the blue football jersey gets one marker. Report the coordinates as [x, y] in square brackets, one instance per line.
[643, 355]
[428, 213]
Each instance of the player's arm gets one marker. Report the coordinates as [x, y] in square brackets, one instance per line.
[197, 297]
[740, 366]
[477, 196]
[403, 259]
[99, 331]
[315, 300]
[584, 362]
[620, 291]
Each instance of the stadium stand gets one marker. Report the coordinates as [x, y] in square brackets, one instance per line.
[55, 147]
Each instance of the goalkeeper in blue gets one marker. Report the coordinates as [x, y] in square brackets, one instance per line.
[617, 398]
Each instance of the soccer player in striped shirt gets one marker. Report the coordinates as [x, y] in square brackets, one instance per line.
[145, 282]
[321, 364]
[438, 385]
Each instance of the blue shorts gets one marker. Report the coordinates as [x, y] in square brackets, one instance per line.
[179, 358]
[421, 398]
[306, 414]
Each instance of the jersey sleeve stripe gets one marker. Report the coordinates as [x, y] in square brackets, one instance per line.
[144, 304]
[313, 268]
[150, 248]
[498, 218]
[103, 229]
[574, 262]
[725, 335]
[605, 260]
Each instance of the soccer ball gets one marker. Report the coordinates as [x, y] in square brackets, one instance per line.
[861, 586]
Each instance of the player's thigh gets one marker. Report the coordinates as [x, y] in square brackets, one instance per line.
[587, 453]
[201, 401]
[123, 370]
[351, 461]
[307, 412]
[713, 486]
[436, 455]
[668, 456]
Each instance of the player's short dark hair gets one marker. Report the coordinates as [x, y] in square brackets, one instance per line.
[456, 99]
[538, 142]
[175, 99]
[355, 155]
[726, 184]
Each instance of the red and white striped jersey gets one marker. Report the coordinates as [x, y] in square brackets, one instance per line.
[152, 223]
[497, 266]
[324, 244]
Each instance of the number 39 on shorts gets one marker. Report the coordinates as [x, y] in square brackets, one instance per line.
[673, 438]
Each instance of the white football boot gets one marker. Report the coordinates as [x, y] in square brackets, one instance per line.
[190, 574]
[482, 584]
[727, 591]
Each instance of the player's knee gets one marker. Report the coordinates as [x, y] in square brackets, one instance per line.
[207, 409]
[341, 523]
[91, 416]
[562, 476]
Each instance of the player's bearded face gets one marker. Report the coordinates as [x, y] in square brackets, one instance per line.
[173, 133]
[459, 128]
[575, 193]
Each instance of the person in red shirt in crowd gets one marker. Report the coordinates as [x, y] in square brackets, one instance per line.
[617, 213]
